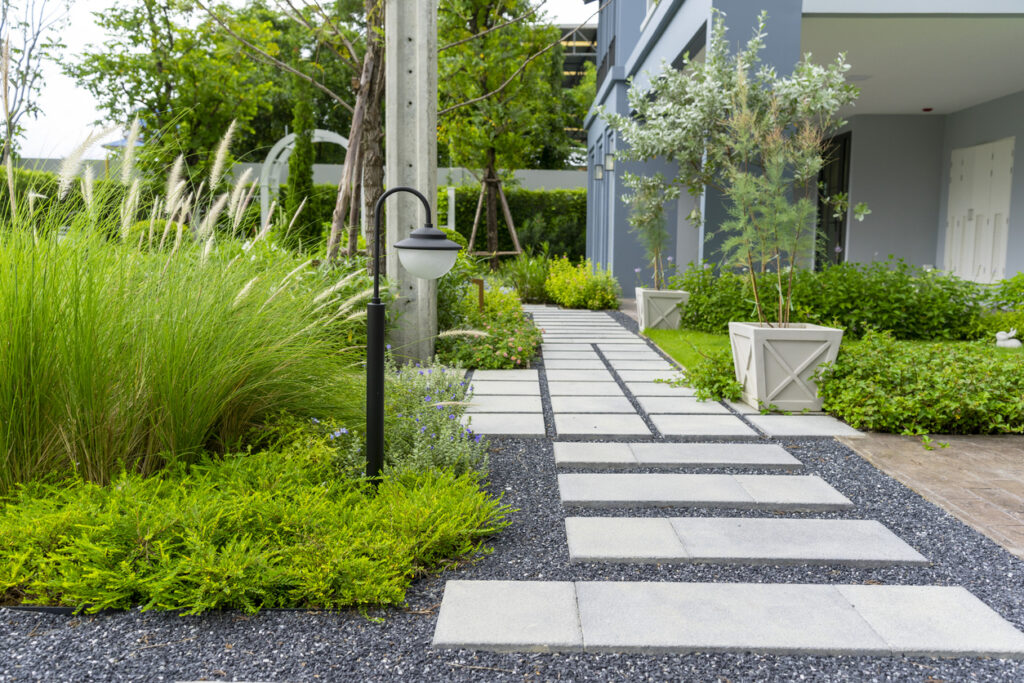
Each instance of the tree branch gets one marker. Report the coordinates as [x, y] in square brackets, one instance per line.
[483, 33]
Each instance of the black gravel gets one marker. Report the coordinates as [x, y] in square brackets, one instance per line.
[395, 645]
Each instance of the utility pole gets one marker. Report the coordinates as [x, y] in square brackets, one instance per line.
[410, 35]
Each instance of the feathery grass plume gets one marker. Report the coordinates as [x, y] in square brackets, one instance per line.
[358, 315]
[207, 249]
[152, 220]
[241, 208]
[354, 299]
[32, 197]
[295, 216]
[168, 224]
[178, 238]
[244, 292]
[73, 162]
[186, 208]
[206, 228]
[128, 208]
[237, 192]
[10, 184]
[87, 183]
[175, 184]
[174, 199]
[284, 282]
[265, 230]
[462, 333]
[222, 154]
[7, 117]
[128, 162]
[340, 284]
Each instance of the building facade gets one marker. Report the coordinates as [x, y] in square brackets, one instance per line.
[928, 146]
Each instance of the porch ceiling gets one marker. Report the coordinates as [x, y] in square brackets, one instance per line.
[903, 64]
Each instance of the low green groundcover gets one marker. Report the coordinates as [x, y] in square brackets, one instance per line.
[281, 528]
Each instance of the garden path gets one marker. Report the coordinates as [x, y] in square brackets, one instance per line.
[596, 396]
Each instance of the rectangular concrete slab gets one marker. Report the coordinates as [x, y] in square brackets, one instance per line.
[802, 425]
[570, 355]
[559, 364]
[592, 404]
[556, 388]
[579, 376]
[600, 424]
[655, 617]
[645, 490]
[505, 404]
[642, 364]
[767, 456]
[496, 388]
[574, 346]
[937, 621]
[519, 616]
[590, 454]
[681, 405]
[847, 542]
[657, 389]
[622, 539]
[702, 425]
[505, 375]
[647, 375]
[639, 353]
[805, 492]
[512, 424]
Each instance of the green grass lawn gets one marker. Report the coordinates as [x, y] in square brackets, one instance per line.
[685, 346]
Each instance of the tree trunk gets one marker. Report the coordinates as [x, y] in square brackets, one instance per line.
[491, 178]
[373, 135]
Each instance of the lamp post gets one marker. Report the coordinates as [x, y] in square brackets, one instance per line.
[426, 254]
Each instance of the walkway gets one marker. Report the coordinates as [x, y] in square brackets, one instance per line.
[598, 382]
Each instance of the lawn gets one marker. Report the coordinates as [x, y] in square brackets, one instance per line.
[686, 346]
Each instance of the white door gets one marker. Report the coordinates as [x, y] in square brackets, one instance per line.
[978, 210]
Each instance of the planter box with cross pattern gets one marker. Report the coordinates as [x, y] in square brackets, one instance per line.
[776, 365]
[659, 308]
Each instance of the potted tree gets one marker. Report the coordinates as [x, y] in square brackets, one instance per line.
[759, 139]
[656, 307]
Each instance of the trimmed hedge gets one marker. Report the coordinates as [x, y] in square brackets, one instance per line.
[558, 217]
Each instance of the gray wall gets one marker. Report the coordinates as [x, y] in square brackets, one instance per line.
[987, 122]
[896, 165]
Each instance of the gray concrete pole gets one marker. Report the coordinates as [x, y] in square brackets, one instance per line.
[410, 30]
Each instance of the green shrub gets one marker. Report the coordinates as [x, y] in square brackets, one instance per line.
[279, 528]
[527, 273]
[510, 339]
[116, 358]
[1008, 294]
[886, 385]
[715, 299]
[453, 288]
[423, 429]
[583, 285]
[713, 378]
[888, 295]
[557, 217]
[991, 322]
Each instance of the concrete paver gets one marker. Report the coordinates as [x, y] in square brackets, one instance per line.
[641, 364]
[515, 424]
[505, 375]
[524, 616]
[505, 404]
[579, 376]
[737, 491]
[592, 404]
[657, 389]
[496, 388]
[802, 425]
[598, 424]
[619, 454]
[681, 405]
[647, 375]
[560, 364]
[702, 425]
[558, 388]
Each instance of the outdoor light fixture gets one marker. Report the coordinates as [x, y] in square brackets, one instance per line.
[599, 172]
[609, 162]
[428, 255]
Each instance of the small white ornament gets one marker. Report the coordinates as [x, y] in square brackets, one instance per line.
[1007, 340]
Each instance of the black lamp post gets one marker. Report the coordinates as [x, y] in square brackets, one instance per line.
[428, 255]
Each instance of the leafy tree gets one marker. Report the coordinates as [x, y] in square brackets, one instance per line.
[31, 29]
[180, 75]
[500, 89]
[300, 163]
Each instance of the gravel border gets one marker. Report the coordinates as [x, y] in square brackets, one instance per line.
[299, 646]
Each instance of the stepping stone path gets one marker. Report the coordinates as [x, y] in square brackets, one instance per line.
[601, 384]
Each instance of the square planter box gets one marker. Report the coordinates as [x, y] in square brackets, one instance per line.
[659, 308]
[775, 364]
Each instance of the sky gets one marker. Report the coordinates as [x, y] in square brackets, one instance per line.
[68, 111]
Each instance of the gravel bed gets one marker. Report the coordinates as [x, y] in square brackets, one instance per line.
[299, 646]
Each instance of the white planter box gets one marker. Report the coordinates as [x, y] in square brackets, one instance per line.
[659, 308]
[775, 364]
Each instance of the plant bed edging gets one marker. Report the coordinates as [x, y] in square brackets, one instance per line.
[776, 365]
[659, 308]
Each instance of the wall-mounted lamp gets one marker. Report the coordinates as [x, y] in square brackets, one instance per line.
[599, 172]
[609, 162]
